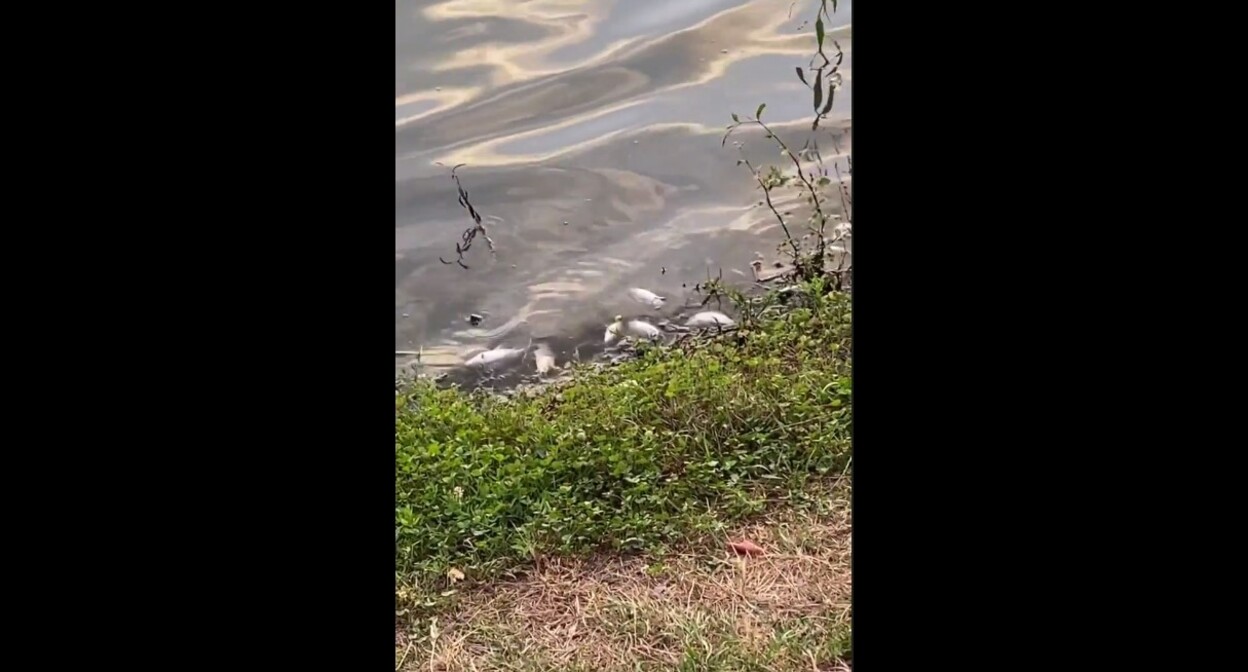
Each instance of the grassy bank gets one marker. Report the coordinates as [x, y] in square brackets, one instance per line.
[697, 608]
[684, 442]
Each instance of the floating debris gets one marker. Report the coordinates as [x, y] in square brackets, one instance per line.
[475, 319]
[761, 275]
[493, 335]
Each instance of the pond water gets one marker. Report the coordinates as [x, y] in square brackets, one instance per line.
[591, 133]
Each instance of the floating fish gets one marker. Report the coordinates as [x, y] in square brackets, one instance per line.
[647, 297]
[545, 359]
[614, 330]
[710, 318]
[495, 356]
[642, 329]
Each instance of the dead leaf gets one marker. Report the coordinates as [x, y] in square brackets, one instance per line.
[746, 547]
[454, 575]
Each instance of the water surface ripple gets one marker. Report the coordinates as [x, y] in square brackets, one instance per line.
[591, 132]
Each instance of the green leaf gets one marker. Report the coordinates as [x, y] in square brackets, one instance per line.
[831, 94]
[818, 89]
[758, 114]
[735, 118]
[819, 30]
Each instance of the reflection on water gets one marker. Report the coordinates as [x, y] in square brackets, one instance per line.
[591, 130]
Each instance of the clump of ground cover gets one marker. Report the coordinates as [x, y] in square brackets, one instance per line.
[681, 442]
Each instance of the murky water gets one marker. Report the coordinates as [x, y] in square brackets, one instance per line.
[591, 131]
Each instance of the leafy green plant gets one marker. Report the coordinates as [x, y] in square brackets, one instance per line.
[813, 181]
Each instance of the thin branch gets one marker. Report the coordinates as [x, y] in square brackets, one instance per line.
[471, 233]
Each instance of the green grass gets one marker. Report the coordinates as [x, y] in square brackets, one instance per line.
[681, 441]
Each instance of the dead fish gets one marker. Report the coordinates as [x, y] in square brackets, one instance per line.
[642, 329]
[646, 297]
[614, 330]
[545, 359]
[495, 356]
[709, 318]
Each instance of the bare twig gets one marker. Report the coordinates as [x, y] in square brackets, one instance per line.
[806, 269]
[471, 233]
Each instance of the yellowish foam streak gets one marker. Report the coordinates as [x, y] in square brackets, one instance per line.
[487, 153]
[574, 22]
[446, 99]
[511, 9]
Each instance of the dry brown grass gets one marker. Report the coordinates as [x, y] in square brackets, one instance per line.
[700, 608]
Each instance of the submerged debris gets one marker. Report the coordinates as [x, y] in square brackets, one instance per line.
[765, 275]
